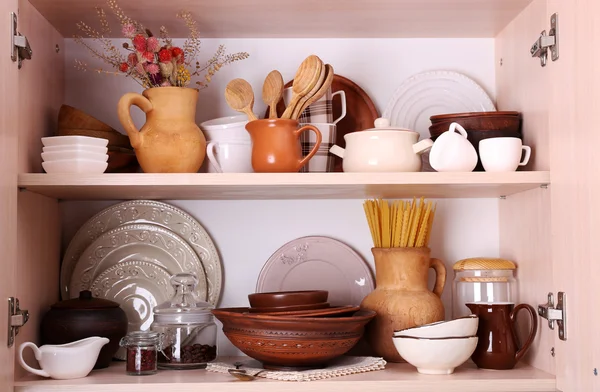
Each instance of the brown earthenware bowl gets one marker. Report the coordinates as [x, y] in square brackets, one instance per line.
[292, 342]
[293, 308]
[287, 298]
[336, 311]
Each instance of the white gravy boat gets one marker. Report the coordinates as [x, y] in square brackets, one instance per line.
[64, 361]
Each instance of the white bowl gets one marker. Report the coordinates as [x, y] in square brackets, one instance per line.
[75, 166]
[435, 356]
[458, 328]
[70, 154]
[94, 149]
[74, 140]
[226, 128]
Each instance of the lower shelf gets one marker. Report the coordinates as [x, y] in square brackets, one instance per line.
[396, 377]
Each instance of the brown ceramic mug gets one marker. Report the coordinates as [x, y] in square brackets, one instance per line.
[497, 347]
[276, 145]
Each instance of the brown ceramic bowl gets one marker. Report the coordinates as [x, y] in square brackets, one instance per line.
[336, 311]
[292, 342]
[287, 298]
[293, 308]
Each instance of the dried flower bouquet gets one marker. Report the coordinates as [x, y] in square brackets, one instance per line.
[152, 61]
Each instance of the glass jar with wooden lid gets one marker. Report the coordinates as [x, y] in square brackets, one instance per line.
[482, 280]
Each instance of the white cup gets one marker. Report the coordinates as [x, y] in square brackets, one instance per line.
[323, 161]
[320, 111]
[503, 154]
[229, 157]
[231, 128]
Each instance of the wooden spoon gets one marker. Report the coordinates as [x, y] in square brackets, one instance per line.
[320, 92]
[240, 97]
[306, 76]
[272, 91]
[298, 109]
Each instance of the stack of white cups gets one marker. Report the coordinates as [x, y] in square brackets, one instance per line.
[320, 115]
[228, 145]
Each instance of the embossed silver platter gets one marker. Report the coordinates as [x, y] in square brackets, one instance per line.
[138, 286]
[145, 242]
[318, 263]
[147, 211]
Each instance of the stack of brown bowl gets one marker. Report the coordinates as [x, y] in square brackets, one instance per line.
[479, 126]
[294, 330]
[121, 157]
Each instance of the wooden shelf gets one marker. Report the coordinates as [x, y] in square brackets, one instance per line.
[301, 19]
[396, 377]
[232, 186]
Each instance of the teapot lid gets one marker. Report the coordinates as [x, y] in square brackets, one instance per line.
[85, 301]
[384, 124]
[484, 263]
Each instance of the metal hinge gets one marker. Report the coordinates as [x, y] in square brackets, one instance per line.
[558, 313]
[16, 319]
[20, 49]
[547, 41]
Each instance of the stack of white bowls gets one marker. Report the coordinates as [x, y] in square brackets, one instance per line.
[228, 145]
[74, 154]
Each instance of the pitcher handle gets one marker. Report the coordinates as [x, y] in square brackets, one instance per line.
[513, 318]
[210, 153]
[312, 152]
[124, 115]
[440, 275]
[38, 355]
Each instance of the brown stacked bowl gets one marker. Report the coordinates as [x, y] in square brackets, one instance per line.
[479, 126]
[287, 301]
[121, 156]
[292, 343]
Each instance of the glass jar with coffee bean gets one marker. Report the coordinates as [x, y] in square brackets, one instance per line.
[188, 327]
[142, 347]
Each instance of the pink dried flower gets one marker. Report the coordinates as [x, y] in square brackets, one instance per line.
[128, 30]
[148, 56]
[139, 42]
[153, 45]
[152, 68]
[132, 59]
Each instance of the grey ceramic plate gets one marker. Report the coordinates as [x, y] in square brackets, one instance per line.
[147, 211]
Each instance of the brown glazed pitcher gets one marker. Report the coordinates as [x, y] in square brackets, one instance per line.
[497, 347]
[276, 145]
[170, 141]
[402, 299]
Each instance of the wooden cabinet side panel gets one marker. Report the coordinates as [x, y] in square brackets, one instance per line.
[574, 129]
[525, 217]
[41, 92]
[521, 84]
[9, 132]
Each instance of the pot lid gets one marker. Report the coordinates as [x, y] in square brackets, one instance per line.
[85, 301]
[384, 124]
[484, 263]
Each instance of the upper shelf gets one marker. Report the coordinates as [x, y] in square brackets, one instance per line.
[232, 186]
[301, 19]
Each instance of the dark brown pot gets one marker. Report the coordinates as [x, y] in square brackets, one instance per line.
[85, 317]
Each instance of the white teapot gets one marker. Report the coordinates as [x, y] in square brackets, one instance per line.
[452, 152]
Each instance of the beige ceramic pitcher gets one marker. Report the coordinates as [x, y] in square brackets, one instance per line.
[170, 141]
[402, 299]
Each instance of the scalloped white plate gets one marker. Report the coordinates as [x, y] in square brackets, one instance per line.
[431, 93]
[156, 213]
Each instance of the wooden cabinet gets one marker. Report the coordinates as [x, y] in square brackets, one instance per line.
[547, 221]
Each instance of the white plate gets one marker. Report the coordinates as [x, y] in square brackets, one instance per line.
[432, 93]
[71, 166]
[62, 155]
[138, 286]
[74, 140]
[318, 263]
[147, 211]
[143, 242]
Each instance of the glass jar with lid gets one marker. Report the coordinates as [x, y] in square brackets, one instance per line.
[188, 327]
[482, 280]
[141, 347]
